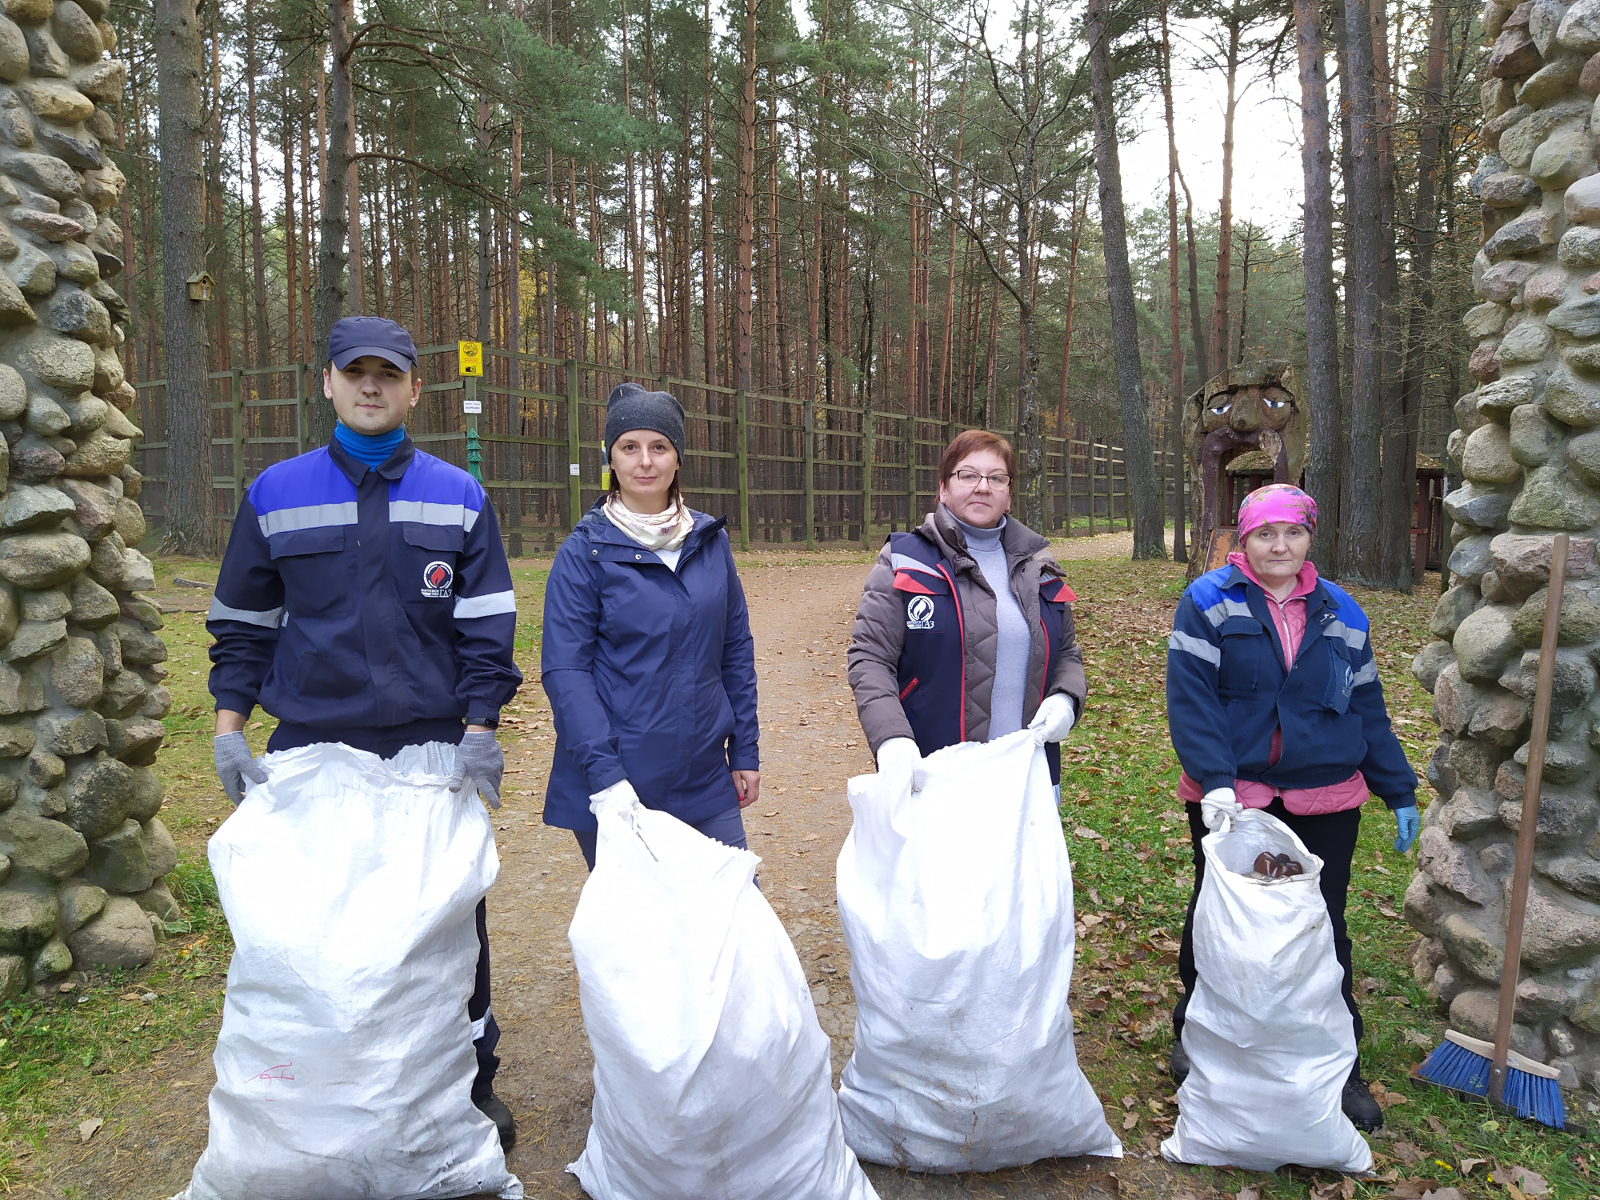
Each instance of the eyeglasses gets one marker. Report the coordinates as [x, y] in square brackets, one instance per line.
[969, 479]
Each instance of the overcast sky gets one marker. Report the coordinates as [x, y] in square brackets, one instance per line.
[1267, 182]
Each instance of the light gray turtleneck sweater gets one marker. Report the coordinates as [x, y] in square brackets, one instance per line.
[1015, 641]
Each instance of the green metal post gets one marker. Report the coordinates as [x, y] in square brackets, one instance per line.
[741, 433]
[574, 480]
[236, 388]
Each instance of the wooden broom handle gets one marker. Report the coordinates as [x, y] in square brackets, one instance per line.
[1510, 966]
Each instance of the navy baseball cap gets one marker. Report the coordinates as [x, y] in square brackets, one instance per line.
[353, 337]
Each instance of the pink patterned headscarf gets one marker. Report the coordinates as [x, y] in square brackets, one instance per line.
[1276, 502]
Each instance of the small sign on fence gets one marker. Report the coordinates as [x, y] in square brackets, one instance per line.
[471, 356]
[472, 406]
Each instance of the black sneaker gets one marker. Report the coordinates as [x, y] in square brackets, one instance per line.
[492, 1107]
[1180, 1062]
[1358, 1103]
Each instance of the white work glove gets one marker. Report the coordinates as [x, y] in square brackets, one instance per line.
[619, 795]
[235, 765]
[1056, 716]
[1218, 807]
[479, 758]
[898, 760]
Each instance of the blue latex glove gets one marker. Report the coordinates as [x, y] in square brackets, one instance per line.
[1410, 825]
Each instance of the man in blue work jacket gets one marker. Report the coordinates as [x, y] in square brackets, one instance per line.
[365, 598]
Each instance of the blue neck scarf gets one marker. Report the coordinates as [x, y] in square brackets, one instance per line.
[371, 449]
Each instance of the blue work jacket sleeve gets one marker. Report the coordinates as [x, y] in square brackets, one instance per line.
[566, 662]
[245, 616]
[1196, 716]
[486, 621]
[739, 673]
[1385, 768]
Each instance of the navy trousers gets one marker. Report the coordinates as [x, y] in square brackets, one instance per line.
[386, 743]
[725, 827]
[1332, 838]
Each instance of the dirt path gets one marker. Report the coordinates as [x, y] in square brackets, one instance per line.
[811, 744]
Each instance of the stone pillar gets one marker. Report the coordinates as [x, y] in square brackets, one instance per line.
[1528, 447]
[82, 851]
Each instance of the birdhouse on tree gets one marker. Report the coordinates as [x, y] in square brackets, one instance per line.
[200, 285]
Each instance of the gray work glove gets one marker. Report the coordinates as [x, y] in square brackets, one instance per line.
[479, 757]
[235, 764]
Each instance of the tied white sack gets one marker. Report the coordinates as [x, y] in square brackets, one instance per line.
[345, 1061]
[1269, 1038]
[956, 902]
[711, 1073]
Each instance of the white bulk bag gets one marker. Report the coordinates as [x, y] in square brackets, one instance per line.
[1269, 1038]
[711, 1074]
[956, 901]
[345, 1061]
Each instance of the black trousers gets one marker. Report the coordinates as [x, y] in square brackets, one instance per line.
[1332, 838]
[386, 743]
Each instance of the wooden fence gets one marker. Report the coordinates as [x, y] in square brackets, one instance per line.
[536, 423]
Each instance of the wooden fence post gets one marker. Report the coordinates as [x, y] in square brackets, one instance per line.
[236, 394]
[302, 431]
[866, 476]
[741, 432]
[574, 479]
[911, 470]
[810, 455]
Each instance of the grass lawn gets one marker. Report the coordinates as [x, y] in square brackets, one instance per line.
[60, 1058]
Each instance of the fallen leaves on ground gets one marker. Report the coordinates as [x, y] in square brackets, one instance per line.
[1411, 1189]
[89, 1128]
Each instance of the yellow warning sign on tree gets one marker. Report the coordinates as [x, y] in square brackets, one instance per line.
[471, 354]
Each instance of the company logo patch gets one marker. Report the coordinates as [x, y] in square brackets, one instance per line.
[438, 579]
[919, 613]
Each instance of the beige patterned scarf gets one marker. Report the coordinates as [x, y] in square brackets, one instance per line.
[654, 531]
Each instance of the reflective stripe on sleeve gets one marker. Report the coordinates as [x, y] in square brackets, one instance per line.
[268, 618]
[309, 516]
[423, 512]
[1198, 647]
[1354, 638]
[1221, 611]
[1367, 674]
[491, 605]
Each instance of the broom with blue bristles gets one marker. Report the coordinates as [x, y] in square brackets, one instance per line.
[1462, 1064]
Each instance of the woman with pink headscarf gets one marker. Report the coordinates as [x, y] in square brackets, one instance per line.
[1273, 702]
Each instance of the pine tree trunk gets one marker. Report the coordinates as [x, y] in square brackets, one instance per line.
[1198, 340]
[1139, 468]
[1360, 548]
[1222, 312]
[190, 521]
[333, 225]
[1425, 225]
[1322, 393]
[742, 288]
[1399, 474]
[1175, 411]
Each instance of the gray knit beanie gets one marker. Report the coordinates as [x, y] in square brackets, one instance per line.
[632, 407]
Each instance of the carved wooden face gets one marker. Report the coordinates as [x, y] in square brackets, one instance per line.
[1247, 409]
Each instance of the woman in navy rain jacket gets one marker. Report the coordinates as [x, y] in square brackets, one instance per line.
[647, 658]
